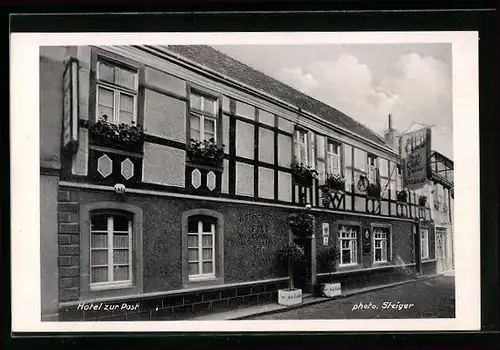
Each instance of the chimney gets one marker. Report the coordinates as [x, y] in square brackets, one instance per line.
[390, 135]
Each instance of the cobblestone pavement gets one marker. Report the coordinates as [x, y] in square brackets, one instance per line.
[433, 298]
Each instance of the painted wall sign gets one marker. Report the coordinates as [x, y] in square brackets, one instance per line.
[367, 241]
[415, 148]
[325, 229]
[70, 106]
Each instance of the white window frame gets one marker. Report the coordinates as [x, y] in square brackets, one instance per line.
[202, 115]
[372, 169]
[378, 234]
[110, 249]
[299, 145]
[424, 241]
[200, 275]
[117, 90]
[351, 235]
[331, 156]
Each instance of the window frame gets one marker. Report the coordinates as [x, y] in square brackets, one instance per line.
[351, 225]
[217, 117]
[115, 88]
[200, 275]
[426, 240]
[298, 145]
[218, 250]
[332, 155]
[388, 241]
[111, 283]
[119, 289]
[371, 168]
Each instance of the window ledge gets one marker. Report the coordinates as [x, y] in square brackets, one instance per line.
[202, 282]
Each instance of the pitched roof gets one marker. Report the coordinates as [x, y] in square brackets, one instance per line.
[228, 66]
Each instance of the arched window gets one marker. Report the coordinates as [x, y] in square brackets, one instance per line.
[203, 247]
[111, 249]
[111, 262]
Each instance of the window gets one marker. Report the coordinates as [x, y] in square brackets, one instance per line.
[333, 158]
[399, 178]
[424, 243]
[116, 92]
[380, 244]
[372, 169]
[110, 250]
[348, 237]
[301, 147]
[201, 247]
[204, 111]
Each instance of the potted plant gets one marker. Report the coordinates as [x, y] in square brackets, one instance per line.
[335, 182]
[326, 196]
[422, 200]
[206, 152]
[303, 175]
[301, 224]
[402, 196]
[290, 258]
[373, 190]
[326, 259]
[123, 136]
[437, 205]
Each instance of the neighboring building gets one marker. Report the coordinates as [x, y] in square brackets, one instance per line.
[442, 209]
[189, 236]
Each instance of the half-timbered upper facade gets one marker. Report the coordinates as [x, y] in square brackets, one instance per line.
[264, 131]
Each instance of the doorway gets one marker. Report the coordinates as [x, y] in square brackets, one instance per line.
[441, 249]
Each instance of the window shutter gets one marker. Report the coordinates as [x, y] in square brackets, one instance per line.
[295, 150]
[311, 149]
[320, 147]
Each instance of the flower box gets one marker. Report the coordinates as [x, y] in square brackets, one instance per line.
[128, 137]
[402, 196]
[303, 175]
[335, 182]
[373, 191]
[206, 152]
[289, 297]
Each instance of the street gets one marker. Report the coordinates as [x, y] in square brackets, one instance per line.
[433, 298]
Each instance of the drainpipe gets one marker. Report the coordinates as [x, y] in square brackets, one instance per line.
[418, 248]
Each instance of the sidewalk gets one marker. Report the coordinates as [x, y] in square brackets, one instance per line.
[260, 310]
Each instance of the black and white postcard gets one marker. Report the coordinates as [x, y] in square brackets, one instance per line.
[245, 181]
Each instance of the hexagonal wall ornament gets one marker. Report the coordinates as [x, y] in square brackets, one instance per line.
[104, 165]
[127, 169]
[211, 180]
[196, 178]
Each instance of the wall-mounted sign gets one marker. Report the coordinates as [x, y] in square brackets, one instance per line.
[367, 241]
[415, 149]
[325, 229]
[325, 240]
[70, 106]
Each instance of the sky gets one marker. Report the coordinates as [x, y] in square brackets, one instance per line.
[413, 82]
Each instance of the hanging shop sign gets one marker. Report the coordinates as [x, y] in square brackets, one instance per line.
[415, 150]
[367, 241]
[70, 106]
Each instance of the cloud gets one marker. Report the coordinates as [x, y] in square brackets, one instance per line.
[417, 89]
